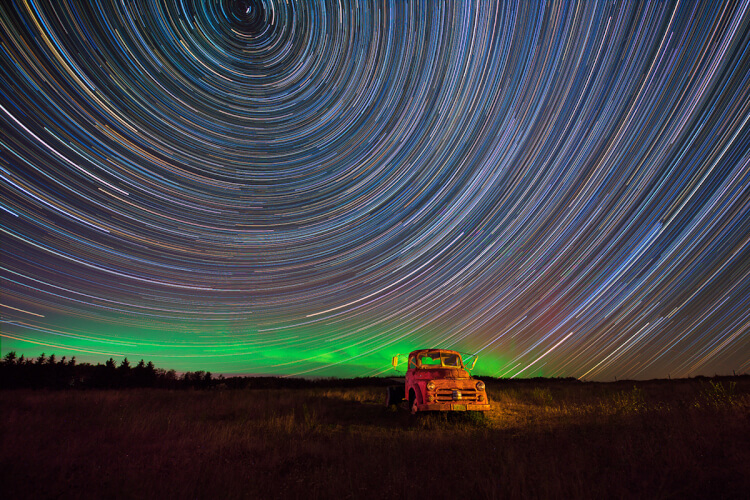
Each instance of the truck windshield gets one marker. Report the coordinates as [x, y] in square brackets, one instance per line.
[439, 359]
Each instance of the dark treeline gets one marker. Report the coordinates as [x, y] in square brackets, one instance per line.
[49, 372]
[52, 373]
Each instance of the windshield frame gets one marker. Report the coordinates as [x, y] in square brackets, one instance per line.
[443, 355]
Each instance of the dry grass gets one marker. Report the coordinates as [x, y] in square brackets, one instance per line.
[678, 439]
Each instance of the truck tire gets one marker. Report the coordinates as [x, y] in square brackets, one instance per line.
[413, 403]
[393, 395]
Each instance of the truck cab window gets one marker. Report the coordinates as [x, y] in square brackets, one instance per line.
[451, 360]
[430, 360]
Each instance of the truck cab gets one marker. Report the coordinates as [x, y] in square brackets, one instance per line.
[437, 380]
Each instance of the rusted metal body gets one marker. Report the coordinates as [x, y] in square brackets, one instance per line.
[437, 380]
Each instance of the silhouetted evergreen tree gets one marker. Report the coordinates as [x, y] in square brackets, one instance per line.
[124, 375]
[9, 370]
[109, 374]
[9, 358]
[139, 374]
[150, 375]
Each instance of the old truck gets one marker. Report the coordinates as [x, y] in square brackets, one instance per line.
[437, 380]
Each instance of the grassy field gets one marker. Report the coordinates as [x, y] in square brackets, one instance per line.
[542, 439]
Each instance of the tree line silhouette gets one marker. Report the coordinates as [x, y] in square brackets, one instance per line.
[51, 373]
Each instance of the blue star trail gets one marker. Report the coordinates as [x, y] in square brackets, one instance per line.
[308, 188]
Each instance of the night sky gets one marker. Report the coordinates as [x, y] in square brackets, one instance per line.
[308, 188]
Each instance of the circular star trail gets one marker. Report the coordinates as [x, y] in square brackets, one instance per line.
[307, 188]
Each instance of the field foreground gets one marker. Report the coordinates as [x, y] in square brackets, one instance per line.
[542, 439]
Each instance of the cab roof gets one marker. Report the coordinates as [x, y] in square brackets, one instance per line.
[419, 351]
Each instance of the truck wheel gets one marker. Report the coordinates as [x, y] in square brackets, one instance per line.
[394, 395]
[413, 403]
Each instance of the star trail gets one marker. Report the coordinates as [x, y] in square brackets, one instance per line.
[308, 188]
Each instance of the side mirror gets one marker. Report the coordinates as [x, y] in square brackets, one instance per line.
[473, 363]
[394, 361]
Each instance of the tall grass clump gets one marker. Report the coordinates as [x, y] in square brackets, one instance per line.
[627, 402]
[542, 396]
[716, 395]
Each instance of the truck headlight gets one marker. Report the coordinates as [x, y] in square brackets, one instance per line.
[430, 385]
[480, 385]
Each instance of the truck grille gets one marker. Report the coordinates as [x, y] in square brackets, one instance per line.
[446, 395]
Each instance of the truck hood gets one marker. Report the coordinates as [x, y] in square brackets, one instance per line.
[441, 373]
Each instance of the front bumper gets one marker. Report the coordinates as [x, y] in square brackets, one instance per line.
[453, 407]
